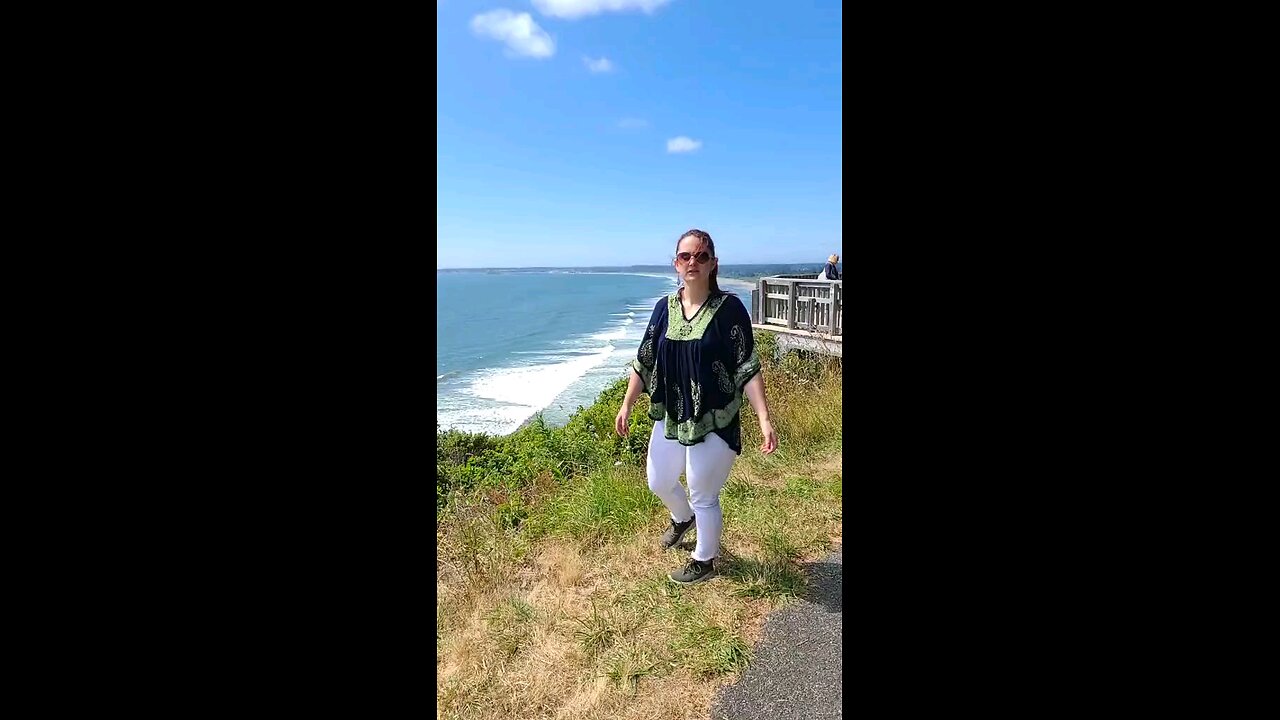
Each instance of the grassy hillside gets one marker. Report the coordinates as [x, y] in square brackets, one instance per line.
[552, 595]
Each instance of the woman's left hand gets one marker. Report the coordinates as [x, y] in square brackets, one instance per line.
[770, 437]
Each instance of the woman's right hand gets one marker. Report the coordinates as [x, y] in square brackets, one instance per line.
[621, 424]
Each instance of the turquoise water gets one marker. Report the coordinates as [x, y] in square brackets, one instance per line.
[511, 343]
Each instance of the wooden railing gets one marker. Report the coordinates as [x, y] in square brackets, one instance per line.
[802, 302]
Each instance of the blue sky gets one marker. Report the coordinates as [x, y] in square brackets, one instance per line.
[594, 132]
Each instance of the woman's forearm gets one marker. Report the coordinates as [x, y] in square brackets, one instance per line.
[635, 386]
[755, 393]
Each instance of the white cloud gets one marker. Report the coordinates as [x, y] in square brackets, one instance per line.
[598, 66]
[633, 123]
[682, 144]
[521, 34]
[574, 9]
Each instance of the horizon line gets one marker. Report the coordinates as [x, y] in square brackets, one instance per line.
[586, 267]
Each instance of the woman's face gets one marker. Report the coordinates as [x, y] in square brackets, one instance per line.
[690, 270]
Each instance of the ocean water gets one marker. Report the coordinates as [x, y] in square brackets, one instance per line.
[511, 343]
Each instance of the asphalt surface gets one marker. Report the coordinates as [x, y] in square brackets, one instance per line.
[795, 671]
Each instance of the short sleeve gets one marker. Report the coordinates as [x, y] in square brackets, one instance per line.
[647, 353]
[742, 340]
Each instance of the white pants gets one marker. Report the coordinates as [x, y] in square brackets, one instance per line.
[706, 467]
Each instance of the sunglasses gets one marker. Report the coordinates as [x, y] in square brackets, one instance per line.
[701, 257]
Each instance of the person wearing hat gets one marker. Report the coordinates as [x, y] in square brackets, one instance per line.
[830, 272]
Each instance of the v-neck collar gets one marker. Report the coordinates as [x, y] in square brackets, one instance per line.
[681, 328]
[680, 300]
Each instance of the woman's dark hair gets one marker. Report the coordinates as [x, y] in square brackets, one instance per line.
[704, 238]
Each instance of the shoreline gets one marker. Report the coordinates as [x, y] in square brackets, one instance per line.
[728, 283]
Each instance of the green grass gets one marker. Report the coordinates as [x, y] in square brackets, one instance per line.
[600, 629]
[738, 487]
[627, 665]
[708, 650]
[694, 642]
[801, 486]
[769, 578]
[509, 626]
[606, 504]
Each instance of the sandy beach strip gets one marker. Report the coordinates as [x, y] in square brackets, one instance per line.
[729, 283]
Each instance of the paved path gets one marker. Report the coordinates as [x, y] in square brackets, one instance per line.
[795, 669]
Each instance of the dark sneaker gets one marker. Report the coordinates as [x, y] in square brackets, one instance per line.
[675, 532]
[695, 571]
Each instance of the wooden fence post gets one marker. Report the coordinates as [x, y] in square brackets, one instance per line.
[791, 305]
[835, 302]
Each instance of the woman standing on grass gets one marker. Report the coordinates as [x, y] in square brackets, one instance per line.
[696, 362]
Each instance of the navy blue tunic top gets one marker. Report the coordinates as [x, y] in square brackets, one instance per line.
[694, 369]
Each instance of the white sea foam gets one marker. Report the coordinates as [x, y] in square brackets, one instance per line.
[515, 394]
[493, 419]
[654, 275]
[555, 380]
[500, 400]
[561, 352]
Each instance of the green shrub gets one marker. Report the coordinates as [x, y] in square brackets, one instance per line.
[766, 346]
[597, 422]
[455, 451]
